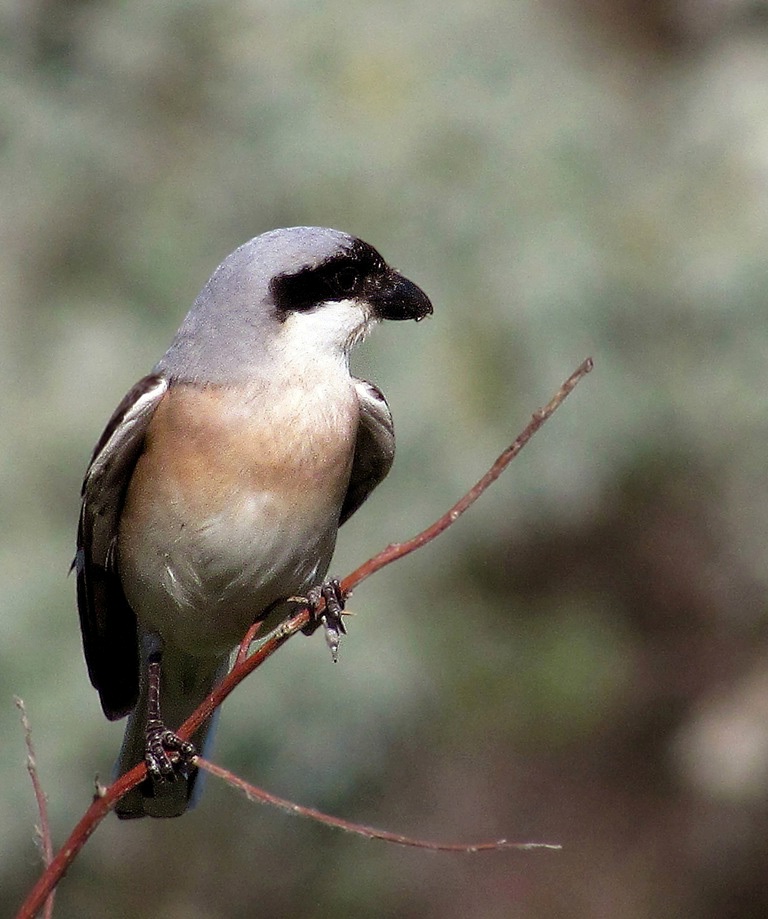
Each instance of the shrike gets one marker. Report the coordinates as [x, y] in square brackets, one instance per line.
[218, 486]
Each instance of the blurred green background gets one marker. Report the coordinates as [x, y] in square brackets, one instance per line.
[583, 658]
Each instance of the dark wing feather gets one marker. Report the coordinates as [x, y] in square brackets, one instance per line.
[107, 622]
[374, 448]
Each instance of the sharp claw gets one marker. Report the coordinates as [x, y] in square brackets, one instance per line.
[161, 741]
[332, 636]
[331, 617]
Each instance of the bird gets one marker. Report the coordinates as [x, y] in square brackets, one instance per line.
[215, 493]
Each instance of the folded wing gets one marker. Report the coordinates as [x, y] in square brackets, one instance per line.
[374, 448]
[107, 622]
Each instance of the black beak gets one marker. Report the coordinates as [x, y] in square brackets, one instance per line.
[399, 298]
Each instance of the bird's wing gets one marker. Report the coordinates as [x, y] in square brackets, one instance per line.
[374, 448]
[107, 621]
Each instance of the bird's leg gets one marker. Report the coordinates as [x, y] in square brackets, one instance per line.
[161, 740]
[331, 616]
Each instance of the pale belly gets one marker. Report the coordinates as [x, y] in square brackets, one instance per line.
[219, 523]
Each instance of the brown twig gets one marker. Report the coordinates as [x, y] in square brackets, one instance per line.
[246, 642]
[391, 554]
[101, 805]
[368, 832]
[245, 665]
[397, 550]
[44, 830]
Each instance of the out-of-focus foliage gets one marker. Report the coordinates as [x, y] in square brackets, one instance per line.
[583, 658]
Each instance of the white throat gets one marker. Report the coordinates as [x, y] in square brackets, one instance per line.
[325, 334]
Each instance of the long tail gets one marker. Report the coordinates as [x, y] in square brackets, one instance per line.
[185, 682]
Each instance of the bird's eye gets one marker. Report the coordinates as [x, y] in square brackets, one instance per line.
[344, 281]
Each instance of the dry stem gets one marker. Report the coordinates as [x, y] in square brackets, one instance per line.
[245, 664]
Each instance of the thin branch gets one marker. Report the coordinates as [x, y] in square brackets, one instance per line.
[247, 640]
[245, 665]
[101, 805]
[368, 832]
[397, 550]
[391, 554]
[44, 838]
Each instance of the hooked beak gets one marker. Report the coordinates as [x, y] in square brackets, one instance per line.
[398, 298]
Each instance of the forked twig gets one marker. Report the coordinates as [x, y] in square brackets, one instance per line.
[245, 664]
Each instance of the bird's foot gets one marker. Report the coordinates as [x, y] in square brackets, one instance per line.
[331, 617]
[166, 755]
